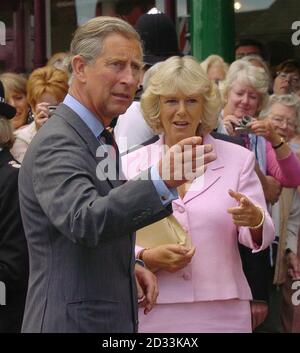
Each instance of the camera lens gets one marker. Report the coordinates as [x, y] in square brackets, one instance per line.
[246, 119]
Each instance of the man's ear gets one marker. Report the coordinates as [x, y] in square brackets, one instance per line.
[78, 67]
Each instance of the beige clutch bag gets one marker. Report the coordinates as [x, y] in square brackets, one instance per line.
[166, 231]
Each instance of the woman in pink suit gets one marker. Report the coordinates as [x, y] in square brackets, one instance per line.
[202, 289]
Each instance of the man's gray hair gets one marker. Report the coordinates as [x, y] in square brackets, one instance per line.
[88, 38]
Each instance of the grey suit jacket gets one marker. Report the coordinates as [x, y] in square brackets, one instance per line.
[80, 232]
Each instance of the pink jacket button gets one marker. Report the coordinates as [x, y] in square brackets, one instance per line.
[181, 209]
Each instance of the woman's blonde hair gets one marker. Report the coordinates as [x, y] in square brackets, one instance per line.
[180, 74]
[57, 60]
[46, 79]
[6, 133]
[13, 83]
[214, 60]
[244, 72]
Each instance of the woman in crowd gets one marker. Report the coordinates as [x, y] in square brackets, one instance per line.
[245, 92]
[202, 289]
[284, 113]
[215, 67]
[47, 87]
[287, 78]
[57, 60]
[16, 95]
[13, 246]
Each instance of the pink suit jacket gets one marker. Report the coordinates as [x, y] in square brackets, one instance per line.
[215, 272]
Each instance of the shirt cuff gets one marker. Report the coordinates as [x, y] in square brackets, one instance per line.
[166, 195]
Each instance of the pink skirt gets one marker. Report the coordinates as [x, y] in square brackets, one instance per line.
[209, 316]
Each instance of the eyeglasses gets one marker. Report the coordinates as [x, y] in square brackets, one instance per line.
[289, 76]
[280, 120]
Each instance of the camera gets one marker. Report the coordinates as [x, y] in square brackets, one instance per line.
[51, 109]
[246, 119]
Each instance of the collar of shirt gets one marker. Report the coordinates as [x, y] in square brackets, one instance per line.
[85, 115]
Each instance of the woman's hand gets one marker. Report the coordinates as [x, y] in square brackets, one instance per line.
[169, 257]
[230, 122]
[265, 128]
[246, 214]
[293, 265]
[41, 114]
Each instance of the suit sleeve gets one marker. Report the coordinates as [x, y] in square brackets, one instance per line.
[81, 210]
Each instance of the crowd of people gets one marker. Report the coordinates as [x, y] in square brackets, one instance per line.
[122, 132]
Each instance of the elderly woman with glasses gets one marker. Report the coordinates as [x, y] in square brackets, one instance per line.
[202, 288]
[284, 113]
[245, 92]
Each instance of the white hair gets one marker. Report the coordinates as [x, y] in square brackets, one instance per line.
[288, 100]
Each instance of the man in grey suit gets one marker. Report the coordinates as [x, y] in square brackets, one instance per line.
[79, 221]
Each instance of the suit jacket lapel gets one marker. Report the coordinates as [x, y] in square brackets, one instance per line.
[89, 138]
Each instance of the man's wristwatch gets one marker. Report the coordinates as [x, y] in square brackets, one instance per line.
[282, 141]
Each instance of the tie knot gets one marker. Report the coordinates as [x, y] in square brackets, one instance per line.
[107, 137]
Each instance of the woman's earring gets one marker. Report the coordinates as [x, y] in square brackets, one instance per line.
[30, 118]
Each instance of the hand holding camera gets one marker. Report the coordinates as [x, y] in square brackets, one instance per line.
[43, 112]
[265, 128]
[230, 121]
[243, 126]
